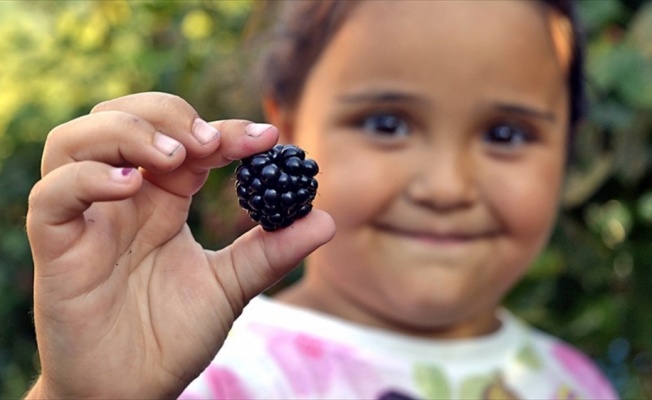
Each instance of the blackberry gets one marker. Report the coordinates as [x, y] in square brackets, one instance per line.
[277, 187]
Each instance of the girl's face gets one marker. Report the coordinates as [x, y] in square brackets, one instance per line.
[440, 131]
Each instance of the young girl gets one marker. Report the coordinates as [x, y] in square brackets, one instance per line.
[442, 131]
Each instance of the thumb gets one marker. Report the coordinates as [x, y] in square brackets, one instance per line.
[261, 258]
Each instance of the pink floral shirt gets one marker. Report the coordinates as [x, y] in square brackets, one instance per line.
[277, 351]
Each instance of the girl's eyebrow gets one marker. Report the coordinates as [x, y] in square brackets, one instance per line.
[391, 96]
[382, 96]
[526, 111]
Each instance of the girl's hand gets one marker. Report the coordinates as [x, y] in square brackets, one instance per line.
[126, 302]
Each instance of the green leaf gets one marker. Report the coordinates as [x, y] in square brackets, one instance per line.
[432, 382]
[529, 357]
[474, 387]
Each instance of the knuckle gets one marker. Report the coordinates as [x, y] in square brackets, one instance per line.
[136, 99]
[130, 122]
[103, 106]
[232, 126]
[56, 135]
[35, 196]
[175, 105]
[239, 123]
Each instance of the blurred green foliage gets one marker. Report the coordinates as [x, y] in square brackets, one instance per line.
[591, 286]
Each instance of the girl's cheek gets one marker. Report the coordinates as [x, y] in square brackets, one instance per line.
[352, 189]
[526, 204]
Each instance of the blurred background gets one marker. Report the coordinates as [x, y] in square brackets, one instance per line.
[592, 286]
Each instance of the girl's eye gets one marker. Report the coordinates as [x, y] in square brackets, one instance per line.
[387, 125]
[508, 135]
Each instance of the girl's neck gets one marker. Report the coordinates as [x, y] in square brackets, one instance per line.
[305, 295]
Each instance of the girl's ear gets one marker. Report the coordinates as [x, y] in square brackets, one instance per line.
[279, 117]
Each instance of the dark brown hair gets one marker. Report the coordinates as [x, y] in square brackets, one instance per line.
[301, 32]
[304, 29]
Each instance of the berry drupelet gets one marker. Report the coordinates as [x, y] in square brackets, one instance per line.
[277, 187]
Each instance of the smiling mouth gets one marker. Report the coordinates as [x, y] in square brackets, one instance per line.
[442, 238]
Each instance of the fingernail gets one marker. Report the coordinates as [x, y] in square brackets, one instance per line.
[166, 144]
[122, 174]
[203, 131]
[256, 130]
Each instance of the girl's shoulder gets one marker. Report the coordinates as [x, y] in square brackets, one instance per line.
[582, 376]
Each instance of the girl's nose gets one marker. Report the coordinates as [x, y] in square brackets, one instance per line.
[444, 180]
